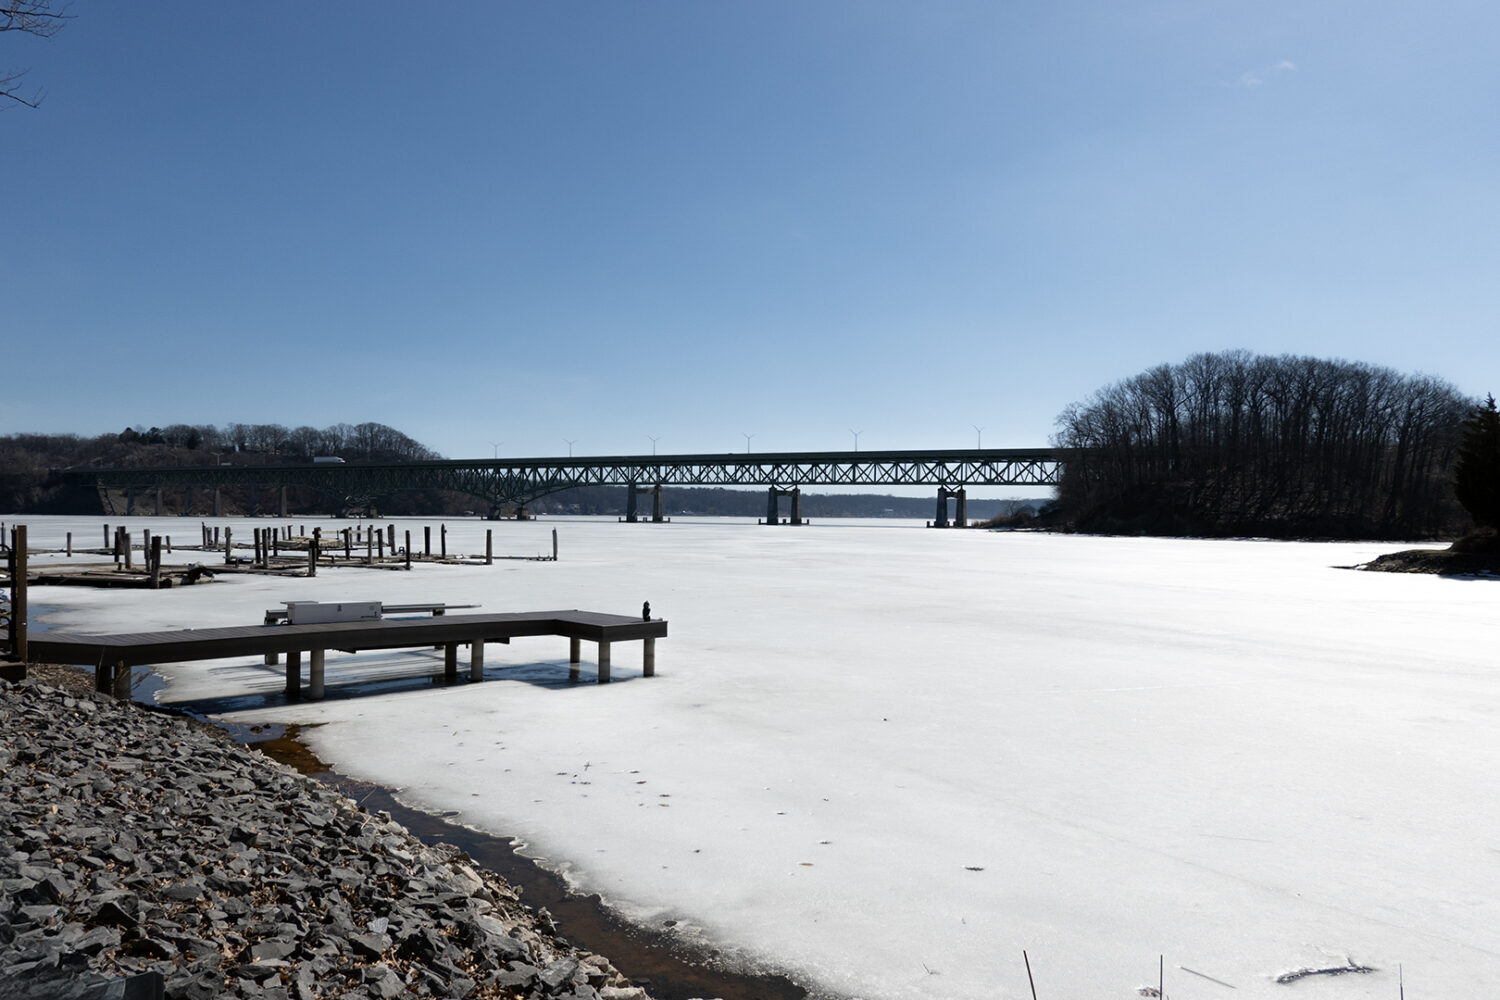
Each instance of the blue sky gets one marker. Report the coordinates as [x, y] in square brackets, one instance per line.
[525, 223]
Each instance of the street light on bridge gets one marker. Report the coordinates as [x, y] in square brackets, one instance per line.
[747, 438]
[856, 437]
[570, 446]
[978, 436]
[653, 444]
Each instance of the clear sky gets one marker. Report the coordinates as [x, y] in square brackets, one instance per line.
[504, 226]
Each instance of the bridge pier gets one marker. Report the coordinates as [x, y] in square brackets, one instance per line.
[129, 502]
[281, 505]
[630, 504]
[961, 510]
[158, 501]
[218, 505]
[941, 519]
[656, 508]
[773, 505]
[187, 500]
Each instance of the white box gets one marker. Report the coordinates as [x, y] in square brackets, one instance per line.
[318, 612]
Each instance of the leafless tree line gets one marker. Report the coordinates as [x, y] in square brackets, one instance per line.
[1235, 443]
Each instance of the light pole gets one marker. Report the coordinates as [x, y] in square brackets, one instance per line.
[856, 437]
[747, 438]
[570, 446]
[978, 435]
[496, 446]
[653, 444]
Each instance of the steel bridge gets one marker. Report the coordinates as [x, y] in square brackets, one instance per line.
[516, 482]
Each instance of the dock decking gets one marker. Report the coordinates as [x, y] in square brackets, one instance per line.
[111, 656]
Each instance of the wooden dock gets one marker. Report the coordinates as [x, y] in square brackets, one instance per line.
[112, 656]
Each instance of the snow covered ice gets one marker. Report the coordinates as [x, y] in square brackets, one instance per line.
[885, 759]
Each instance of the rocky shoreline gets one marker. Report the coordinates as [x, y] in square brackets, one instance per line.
[139, 842]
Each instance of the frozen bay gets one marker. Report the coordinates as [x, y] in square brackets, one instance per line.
[887, 759]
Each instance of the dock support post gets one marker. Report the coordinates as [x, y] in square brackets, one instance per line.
[391, 541]
[315, 674]
[408, 548]
[630, 503]
[104, 677]
[656, 510]
[293, 675]
[228, 547]
[427, 540]
[450, 663]
[122, 681]
[574, 655]
[603, 662]
[155, 561]
[489, 546]
[648, 658]
[70, 545]
[476, 660]
[554, 545]
[18, 569]
[443, 541]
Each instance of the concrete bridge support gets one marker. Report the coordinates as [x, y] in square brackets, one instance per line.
[632, 503]
[158, 501]
[773, 505]
[961, 508]
[281, 507]
[129, 502]
[187, 500]
[218, 505]
[656, 508]
[631, 515]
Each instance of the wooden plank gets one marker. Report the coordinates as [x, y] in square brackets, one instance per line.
[245, 640]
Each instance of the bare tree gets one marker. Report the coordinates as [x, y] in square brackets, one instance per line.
[30, 17]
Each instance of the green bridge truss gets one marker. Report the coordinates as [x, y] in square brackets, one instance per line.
[516, 482]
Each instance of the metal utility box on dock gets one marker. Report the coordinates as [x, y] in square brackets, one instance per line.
[323, 612]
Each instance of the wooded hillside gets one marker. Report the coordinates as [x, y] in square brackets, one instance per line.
[1235, 443]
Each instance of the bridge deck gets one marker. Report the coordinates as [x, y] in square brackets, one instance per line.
[109, 653]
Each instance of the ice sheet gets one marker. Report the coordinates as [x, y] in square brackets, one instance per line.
[887, 759]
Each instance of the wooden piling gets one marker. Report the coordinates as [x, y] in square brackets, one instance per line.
[70, 545]
[554, 545]
[106, 536]
[489, 545]
[156, 562]
[427, 540]
[408, 548]
[443, 541]
[18, 559]
[346, 544]
[125, 546]
[312, 556]
[228, 541]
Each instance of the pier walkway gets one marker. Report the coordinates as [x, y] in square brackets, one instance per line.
[112, 656]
